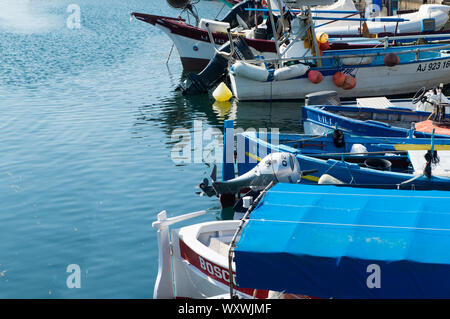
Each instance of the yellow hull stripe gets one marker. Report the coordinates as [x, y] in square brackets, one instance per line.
[420, 147]
[310, 178]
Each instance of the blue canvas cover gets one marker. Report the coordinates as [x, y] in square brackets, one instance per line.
[341, 242]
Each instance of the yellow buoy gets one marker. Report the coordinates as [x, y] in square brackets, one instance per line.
[322, 37]
[222, 93]
[222, 108]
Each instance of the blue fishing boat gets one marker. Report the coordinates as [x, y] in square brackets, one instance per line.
[303, 241]
[347, 160]
[336, 164]
[340, 242]
[373, 116]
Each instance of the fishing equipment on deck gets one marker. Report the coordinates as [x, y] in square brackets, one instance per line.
[323, 98]
[338, 138]
[431, 157]
[378, 164]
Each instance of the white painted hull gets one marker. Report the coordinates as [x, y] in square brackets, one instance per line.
[196, 54]
[371, 81]
[199, 271]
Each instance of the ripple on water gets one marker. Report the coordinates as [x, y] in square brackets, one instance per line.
[86, 118]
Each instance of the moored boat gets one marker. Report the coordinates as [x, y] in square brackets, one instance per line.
[377, 116]
[322, 165]
[394, 250]
[194, 44]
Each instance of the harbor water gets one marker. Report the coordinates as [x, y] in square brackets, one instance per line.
[87, 114]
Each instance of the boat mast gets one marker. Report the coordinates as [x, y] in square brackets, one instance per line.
[275, 35]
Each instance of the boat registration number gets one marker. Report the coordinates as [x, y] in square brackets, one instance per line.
[433, 66]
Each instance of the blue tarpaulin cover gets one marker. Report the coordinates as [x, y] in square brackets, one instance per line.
[341, 242]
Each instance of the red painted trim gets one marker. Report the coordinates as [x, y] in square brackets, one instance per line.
[214, 271]
[179, 27]
[193, 64]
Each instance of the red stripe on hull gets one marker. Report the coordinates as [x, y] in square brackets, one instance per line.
[179, 27]
[214, 271]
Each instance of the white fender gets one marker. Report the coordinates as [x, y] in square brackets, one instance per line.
[357, 61]
[326, 179]
[250, 71]
[289, 72]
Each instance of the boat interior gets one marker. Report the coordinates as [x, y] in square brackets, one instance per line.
[217, 240]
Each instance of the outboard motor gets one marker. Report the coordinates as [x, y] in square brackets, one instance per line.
[239, 12]
[323, 98]
[216, 68]
[275, 167]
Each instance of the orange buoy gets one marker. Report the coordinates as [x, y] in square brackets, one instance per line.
[324, 46]
[315, 76]
[391, 59]
[338, 79]
[349, 82]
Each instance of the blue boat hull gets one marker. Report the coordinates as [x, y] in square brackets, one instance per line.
[317, 119]
[348, 173]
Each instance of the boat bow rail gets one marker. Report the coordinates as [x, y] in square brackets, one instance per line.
[164, 280]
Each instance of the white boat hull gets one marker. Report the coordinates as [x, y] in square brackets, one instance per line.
[196, 54]
[200, 271]
[371, 81]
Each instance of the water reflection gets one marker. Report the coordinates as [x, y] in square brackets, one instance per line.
[179, 111]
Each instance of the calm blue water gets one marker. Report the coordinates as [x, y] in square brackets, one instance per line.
[86, 117]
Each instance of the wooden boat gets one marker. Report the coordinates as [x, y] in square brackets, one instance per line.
[355, 161]
[392, 250]
[379, 116]
[346, 171]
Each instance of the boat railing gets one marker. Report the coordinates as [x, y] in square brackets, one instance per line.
[416, 51]
[398, 37]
